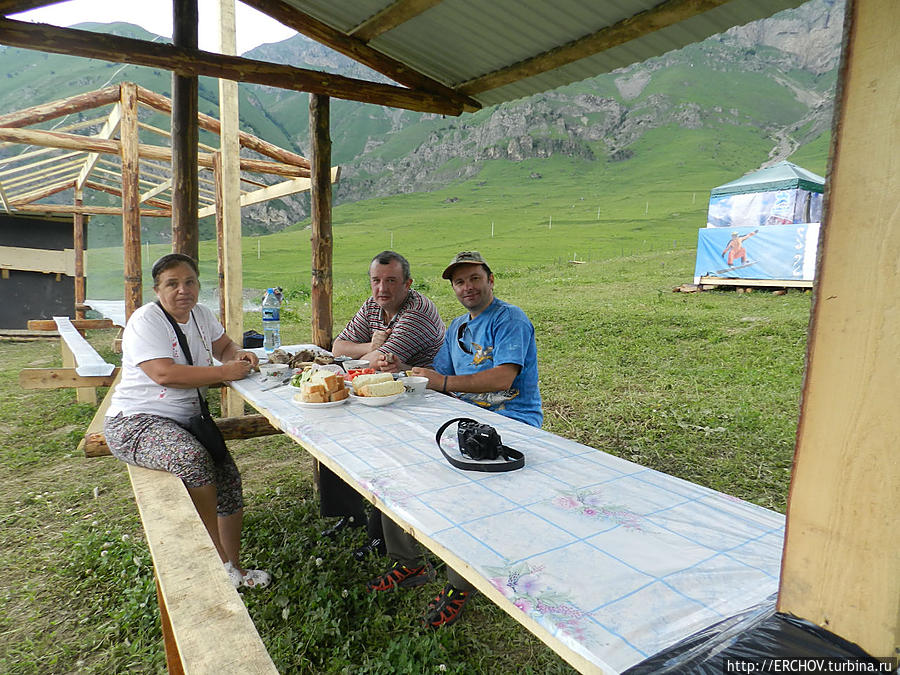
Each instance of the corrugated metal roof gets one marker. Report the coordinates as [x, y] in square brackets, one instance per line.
[458, 40]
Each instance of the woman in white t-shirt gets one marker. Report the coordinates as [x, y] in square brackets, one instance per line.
[157, 395]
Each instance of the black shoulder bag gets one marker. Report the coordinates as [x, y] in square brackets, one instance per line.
[202, 426]
[480, 442]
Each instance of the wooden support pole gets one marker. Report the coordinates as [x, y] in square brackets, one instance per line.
[841, 564]
[78, 237]
[185, 195]
[320, 215]
[131, 196]
[228, 204]
[82, 394]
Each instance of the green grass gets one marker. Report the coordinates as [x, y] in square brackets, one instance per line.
[702, 386]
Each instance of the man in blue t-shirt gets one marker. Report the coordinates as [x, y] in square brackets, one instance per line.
[488, 358]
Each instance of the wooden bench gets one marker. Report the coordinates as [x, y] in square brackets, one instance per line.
[205, 625]
[83, 368]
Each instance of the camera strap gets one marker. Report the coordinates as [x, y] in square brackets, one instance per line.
[514, 458]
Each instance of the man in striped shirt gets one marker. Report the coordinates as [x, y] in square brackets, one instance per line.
[395, 329]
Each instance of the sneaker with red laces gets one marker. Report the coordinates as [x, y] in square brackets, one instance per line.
[446, 608]
[401, 576]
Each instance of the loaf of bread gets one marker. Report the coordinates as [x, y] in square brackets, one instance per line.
[361, 381]
[387, 388]
[331, 381]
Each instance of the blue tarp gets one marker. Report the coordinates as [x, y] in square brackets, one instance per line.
[778, 252]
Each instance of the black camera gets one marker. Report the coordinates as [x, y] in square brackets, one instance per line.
[478, 441]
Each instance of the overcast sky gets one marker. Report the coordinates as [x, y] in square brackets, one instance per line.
[253, 27]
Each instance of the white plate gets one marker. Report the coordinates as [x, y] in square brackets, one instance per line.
[330, 404]
[376, 401]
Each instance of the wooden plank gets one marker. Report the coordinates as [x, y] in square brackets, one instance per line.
[38, 260]
[62, 378]
[662, 15]
[22, 198]
[841, 567]
[233, 428]
[79, 324]
[284, 12]
[107, 131]
[390, 17]
[90, 210]
[82, 394]
[45, 38]
[42, 162]
[55, 139]
[276, 191]
[210, 624]
[320, 217]
[99, 417]
[775, 283]
[78, 241]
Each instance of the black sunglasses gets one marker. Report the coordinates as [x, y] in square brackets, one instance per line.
[459, 337]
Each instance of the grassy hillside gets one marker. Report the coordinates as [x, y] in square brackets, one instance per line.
[599, 210]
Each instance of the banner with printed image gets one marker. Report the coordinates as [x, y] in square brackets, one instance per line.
[778, 252]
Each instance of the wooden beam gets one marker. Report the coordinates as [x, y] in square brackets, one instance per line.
[662, 15]
[841, 563]
[288, 187]
[78, 243]
[24, 155]
[4, 202]
[390, 17]
[79, 324]
[131, 220]
[228, 203]
[90, 210]
[43, 174]
[37, 260]
[22, 198]
[185, 231]
[43, 162]
[233, 428]
[159, 189]
[16, 6]
[108, 131]
[55, 139]
[62, 378]
[66, 106]
[109, 189]
[320, 217]
[42, 37]
[290, 16]
[211, 124]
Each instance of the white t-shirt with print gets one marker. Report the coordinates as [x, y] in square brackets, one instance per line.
[149, 335]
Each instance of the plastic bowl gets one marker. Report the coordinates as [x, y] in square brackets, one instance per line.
[414, 385]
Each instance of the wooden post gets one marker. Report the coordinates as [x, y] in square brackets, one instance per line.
[82, 394]
[131, 217]
[78, 245]
[173, 658]
[228, 205]
[841, 565]
[185, 192]
[320, 215]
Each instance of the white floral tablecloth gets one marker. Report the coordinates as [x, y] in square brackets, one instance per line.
[606, 561]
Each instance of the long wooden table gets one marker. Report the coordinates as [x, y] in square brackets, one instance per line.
[606, 561]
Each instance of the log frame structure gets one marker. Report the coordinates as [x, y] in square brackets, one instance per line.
[841, 568]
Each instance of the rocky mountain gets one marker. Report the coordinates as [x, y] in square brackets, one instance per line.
[773, 78]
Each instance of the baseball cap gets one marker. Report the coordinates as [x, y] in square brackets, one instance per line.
[464, 258]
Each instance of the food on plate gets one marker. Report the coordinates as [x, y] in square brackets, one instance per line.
[319, 386]
[369, 378]
[356, 372]
[302, 358]
[279, 356]
[323, 359]
[386, 388]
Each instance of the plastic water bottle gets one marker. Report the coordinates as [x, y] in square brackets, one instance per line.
[271, 320]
